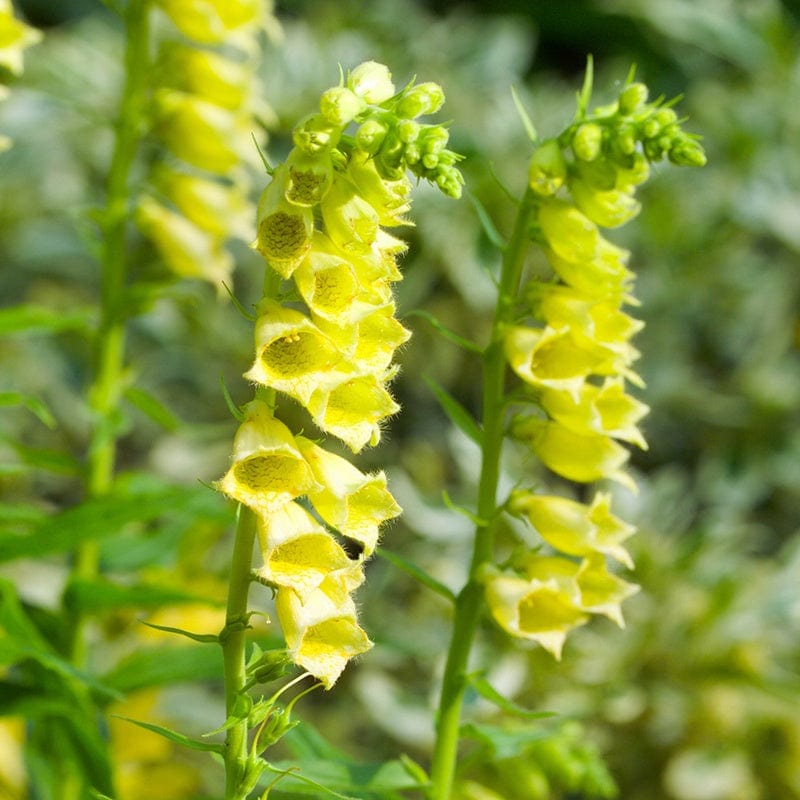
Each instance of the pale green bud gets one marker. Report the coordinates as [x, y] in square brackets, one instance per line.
[426, 98]
[370, 136]
[408, 130]
[547, 169]
[434, 139]
[314, 134]
[625, 139]
[688, 153]
[632, 98]
[587, 141]
[372, 82]
[339, 105]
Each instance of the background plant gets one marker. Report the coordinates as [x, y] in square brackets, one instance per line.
[719, 289]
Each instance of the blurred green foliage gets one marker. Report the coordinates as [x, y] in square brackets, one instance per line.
[698, 699]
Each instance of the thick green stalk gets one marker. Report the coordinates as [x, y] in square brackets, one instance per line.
[469, 603]
[108, 384]
[233, 641]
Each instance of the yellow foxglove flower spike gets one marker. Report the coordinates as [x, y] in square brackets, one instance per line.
[322, 633]
[268, 470]
[575, 528]
[350, 501]
[300, 554]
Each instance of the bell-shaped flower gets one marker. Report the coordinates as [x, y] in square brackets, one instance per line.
[569, 233]
[209, 75]
[389, 198]
[214, 21]
[353, 503]
[575, 528]
[292, 354]
[309, 177]
[602, 592]
[202, 133]
[187, 250]
[609, 209]
[322, 633]
[380, 262]
[299, 554]
[285, 230]
[572, 455]
[605, 276]
[353, 410]
[15, 37]
[550, 357]
[541, 609]
[370, 343]
[350, 221]
[267, 469]
[605, 410]
[220, 208]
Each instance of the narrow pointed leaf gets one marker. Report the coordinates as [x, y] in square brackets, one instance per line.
[527, 123]
[456, 413]
[174, 736]
[40, 319]
[492, 234]
[486, 690]
[204, 638]
[36, 406]
[416, 572]
[153, 408]
[451, 336]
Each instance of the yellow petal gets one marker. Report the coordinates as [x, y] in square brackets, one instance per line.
[602, 592]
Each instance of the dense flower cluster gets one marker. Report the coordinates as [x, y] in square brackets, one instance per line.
[206, 110]
[327, 341]
[572, 349]
[15, 36]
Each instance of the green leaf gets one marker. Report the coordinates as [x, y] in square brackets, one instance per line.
[55, 461]
[178, 738]
[465, 512]
[504, 741]
[451, 336]
[153, 408]
[527, 123]
[456, 413]
[92, 596]
[36, 406]
[585, 95]
[156, 666]
[416, 572]
[486, 690]
[40, 319]
[486, 223]
[204, 638]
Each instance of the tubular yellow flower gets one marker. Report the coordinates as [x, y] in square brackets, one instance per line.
[214, 21]
[202, 133]
[292, 354]
[569, 233]
[322, 634]
[353, 410]
[575, 528]
[550, 357]
[350, 221]
[308, 177]
[285, 230]
[300, 554]
[186, 249]
[610, 208]
[390, 199]
[541, 610]
[574, 456]
[222, 209]
[602, 592]
[605, 410]
[353, 503]
[605, 276]
[267, 469]
[15, 37]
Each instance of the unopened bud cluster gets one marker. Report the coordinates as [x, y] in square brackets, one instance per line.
[15, 37]
[327, 341]
[571, 347]
[206, 110]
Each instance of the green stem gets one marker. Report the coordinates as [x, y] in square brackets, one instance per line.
[469, 603]
[233, 651]
[108, 384]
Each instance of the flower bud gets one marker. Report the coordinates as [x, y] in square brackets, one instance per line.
[370, 136]
[426, 98]
[547, 169]
[687, 153]
[632, 98]
[340, 105]
[587, 141]
[372, 82]
[408, 130]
